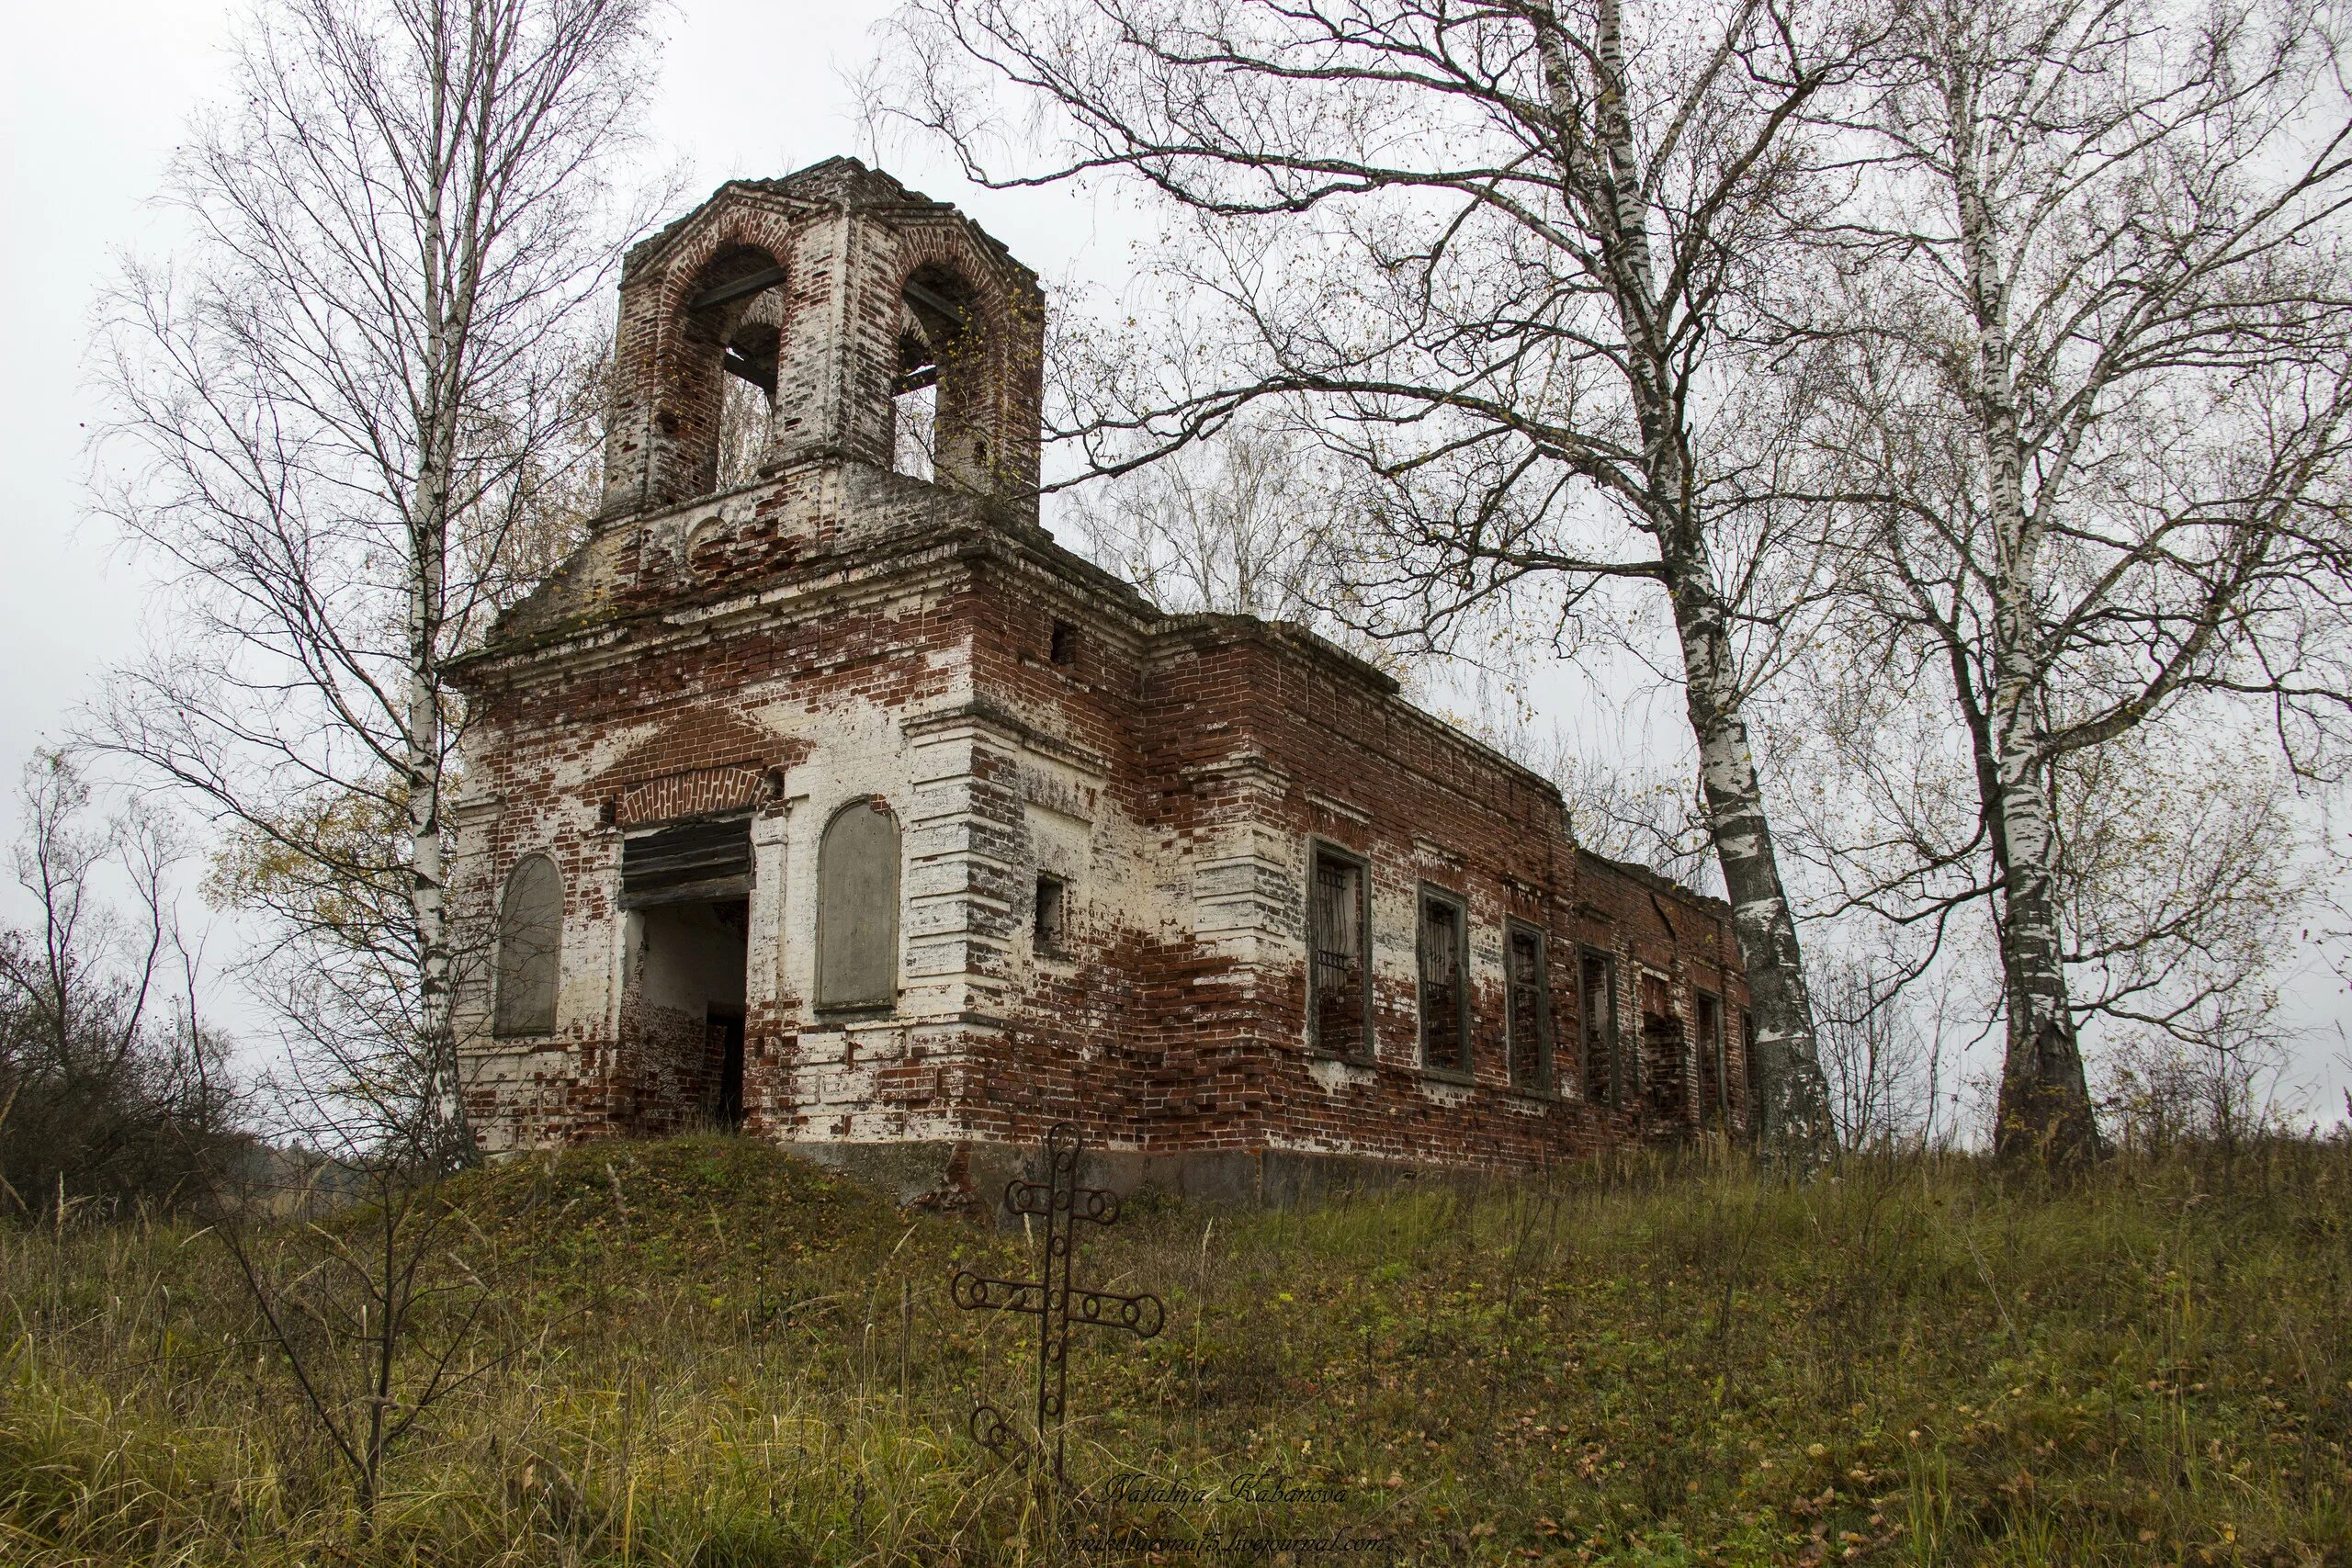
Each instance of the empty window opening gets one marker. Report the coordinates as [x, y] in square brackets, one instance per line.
[1046, 923]
[530, 948]
[939, 406]
[746, 403]
[1339, 981]
[1062, 646]
[1715, 1078]
[1664, 1068]
[1528, 1003]
[914, 415]
[857, 908]
[1605, 1065]
[1445, 993]
[718, 402]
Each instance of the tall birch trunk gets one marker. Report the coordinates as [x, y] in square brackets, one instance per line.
[451, 283]
[2045, 1106]
[1790, 1115]
[344, 428]
[423, 745]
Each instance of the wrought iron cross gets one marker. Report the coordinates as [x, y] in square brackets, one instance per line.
[1061, 1202]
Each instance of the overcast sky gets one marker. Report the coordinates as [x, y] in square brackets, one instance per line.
[97, 96]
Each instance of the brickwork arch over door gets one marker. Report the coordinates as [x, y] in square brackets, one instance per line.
[530, 947]
[857, 908]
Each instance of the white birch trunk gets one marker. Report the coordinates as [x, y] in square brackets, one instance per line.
[428, 878]
[2045, 1097]
[1789, 1114]
[400, 226]
[449, 302]
[1790, 1108]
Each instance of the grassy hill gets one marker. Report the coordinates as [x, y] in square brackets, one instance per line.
[705, 1351]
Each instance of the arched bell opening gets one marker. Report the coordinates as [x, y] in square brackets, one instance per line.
[717, 409]
[942, 397]
[747, 396]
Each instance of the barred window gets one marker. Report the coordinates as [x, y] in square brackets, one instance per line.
[1338, 978]
[1528, 1003]
[530, 947]
[1445, 993]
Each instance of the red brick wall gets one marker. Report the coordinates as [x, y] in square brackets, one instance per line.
[1211, 1053]
[839, 631]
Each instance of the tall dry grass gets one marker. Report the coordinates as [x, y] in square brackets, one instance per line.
[709, 1353]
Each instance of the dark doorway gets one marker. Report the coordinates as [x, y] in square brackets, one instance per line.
[686, 890]
[726, 1034]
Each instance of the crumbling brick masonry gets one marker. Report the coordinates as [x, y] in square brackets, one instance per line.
[845, 806]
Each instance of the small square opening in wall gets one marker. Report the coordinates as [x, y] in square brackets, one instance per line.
[1052, 900]
[1062, 646]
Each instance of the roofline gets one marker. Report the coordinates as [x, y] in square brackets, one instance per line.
[644, 252]
[1656, 880]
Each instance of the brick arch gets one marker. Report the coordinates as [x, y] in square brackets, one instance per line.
[699, 742]
[988, 409]
[667, 372]
[690, 374]
[695, 794]
[730, 223]
[725, 226]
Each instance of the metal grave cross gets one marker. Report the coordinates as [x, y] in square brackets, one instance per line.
[1061, 1202]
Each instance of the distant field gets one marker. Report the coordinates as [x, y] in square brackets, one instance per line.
[706, 1352]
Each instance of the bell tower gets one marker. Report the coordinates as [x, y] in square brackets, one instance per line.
[877, 326]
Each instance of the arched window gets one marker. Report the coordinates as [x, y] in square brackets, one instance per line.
[857, 908]
[940, 408]
[747, 396]
[530, 947]
[720, 406]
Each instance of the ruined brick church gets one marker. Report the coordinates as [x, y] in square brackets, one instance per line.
[844, 805]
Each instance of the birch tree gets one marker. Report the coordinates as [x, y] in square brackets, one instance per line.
[1508, 257]
[2094, 437]
[343, 413]
[1241, 526]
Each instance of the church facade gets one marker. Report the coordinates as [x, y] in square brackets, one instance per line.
[843, 806]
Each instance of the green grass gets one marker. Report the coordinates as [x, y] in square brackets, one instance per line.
[707, 1352]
